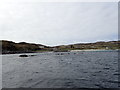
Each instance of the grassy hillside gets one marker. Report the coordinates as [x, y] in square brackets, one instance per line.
[23, 47]
[98, 45]
[12, 47]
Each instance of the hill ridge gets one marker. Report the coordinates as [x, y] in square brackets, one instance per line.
[24, 47]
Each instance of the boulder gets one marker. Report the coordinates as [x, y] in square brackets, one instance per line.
[23, 56]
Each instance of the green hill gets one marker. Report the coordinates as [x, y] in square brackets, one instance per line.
[111, 45]
[9, 47]
[22, 47]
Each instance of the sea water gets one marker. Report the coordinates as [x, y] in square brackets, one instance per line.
[83, 69]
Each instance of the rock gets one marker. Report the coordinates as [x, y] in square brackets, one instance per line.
[23, 56]
[62, 53]
[26, 55]
[57, 54]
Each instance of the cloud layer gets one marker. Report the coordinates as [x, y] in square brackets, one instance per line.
[53, 23]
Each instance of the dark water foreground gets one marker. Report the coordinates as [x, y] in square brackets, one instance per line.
[88, 69]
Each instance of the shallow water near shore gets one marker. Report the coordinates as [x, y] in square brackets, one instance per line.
[88, 69]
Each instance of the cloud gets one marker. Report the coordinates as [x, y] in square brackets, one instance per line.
[59, 23]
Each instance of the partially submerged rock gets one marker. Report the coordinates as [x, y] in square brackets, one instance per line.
[26, 55]
[23, 56]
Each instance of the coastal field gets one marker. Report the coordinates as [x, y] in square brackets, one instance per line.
[88, 69]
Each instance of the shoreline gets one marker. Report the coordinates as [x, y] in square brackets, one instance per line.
[60, 51]
[93, 50]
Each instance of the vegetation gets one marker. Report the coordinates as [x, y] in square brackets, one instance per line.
[23, 47]
[111, 45]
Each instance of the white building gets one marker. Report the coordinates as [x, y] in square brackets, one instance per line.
[41, 47]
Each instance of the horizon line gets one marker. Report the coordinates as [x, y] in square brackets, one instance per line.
[61, 44]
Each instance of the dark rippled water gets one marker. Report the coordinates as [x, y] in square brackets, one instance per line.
[88, 69]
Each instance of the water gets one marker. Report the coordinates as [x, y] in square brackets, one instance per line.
[88, 69]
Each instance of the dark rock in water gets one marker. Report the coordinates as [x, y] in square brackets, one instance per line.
[62, 53]
[23, 56]
[57, 54]
[26, 55]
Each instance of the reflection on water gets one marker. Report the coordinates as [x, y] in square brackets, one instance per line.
[88, 69]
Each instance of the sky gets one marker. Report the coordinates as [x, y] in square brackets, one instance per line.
[59, 23]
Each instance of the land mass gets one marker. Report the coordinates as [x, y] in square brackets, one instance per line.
[10, 47]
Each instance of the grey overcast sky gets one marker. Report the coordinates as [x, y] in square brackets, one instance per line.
[59, 23]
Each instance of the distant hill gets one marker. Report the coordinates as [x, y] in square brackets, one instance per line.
[97, 45]
[23, 47]
[12, 47]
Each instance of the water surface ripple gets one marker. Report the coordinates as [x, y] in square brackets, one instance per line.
[88, 69]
